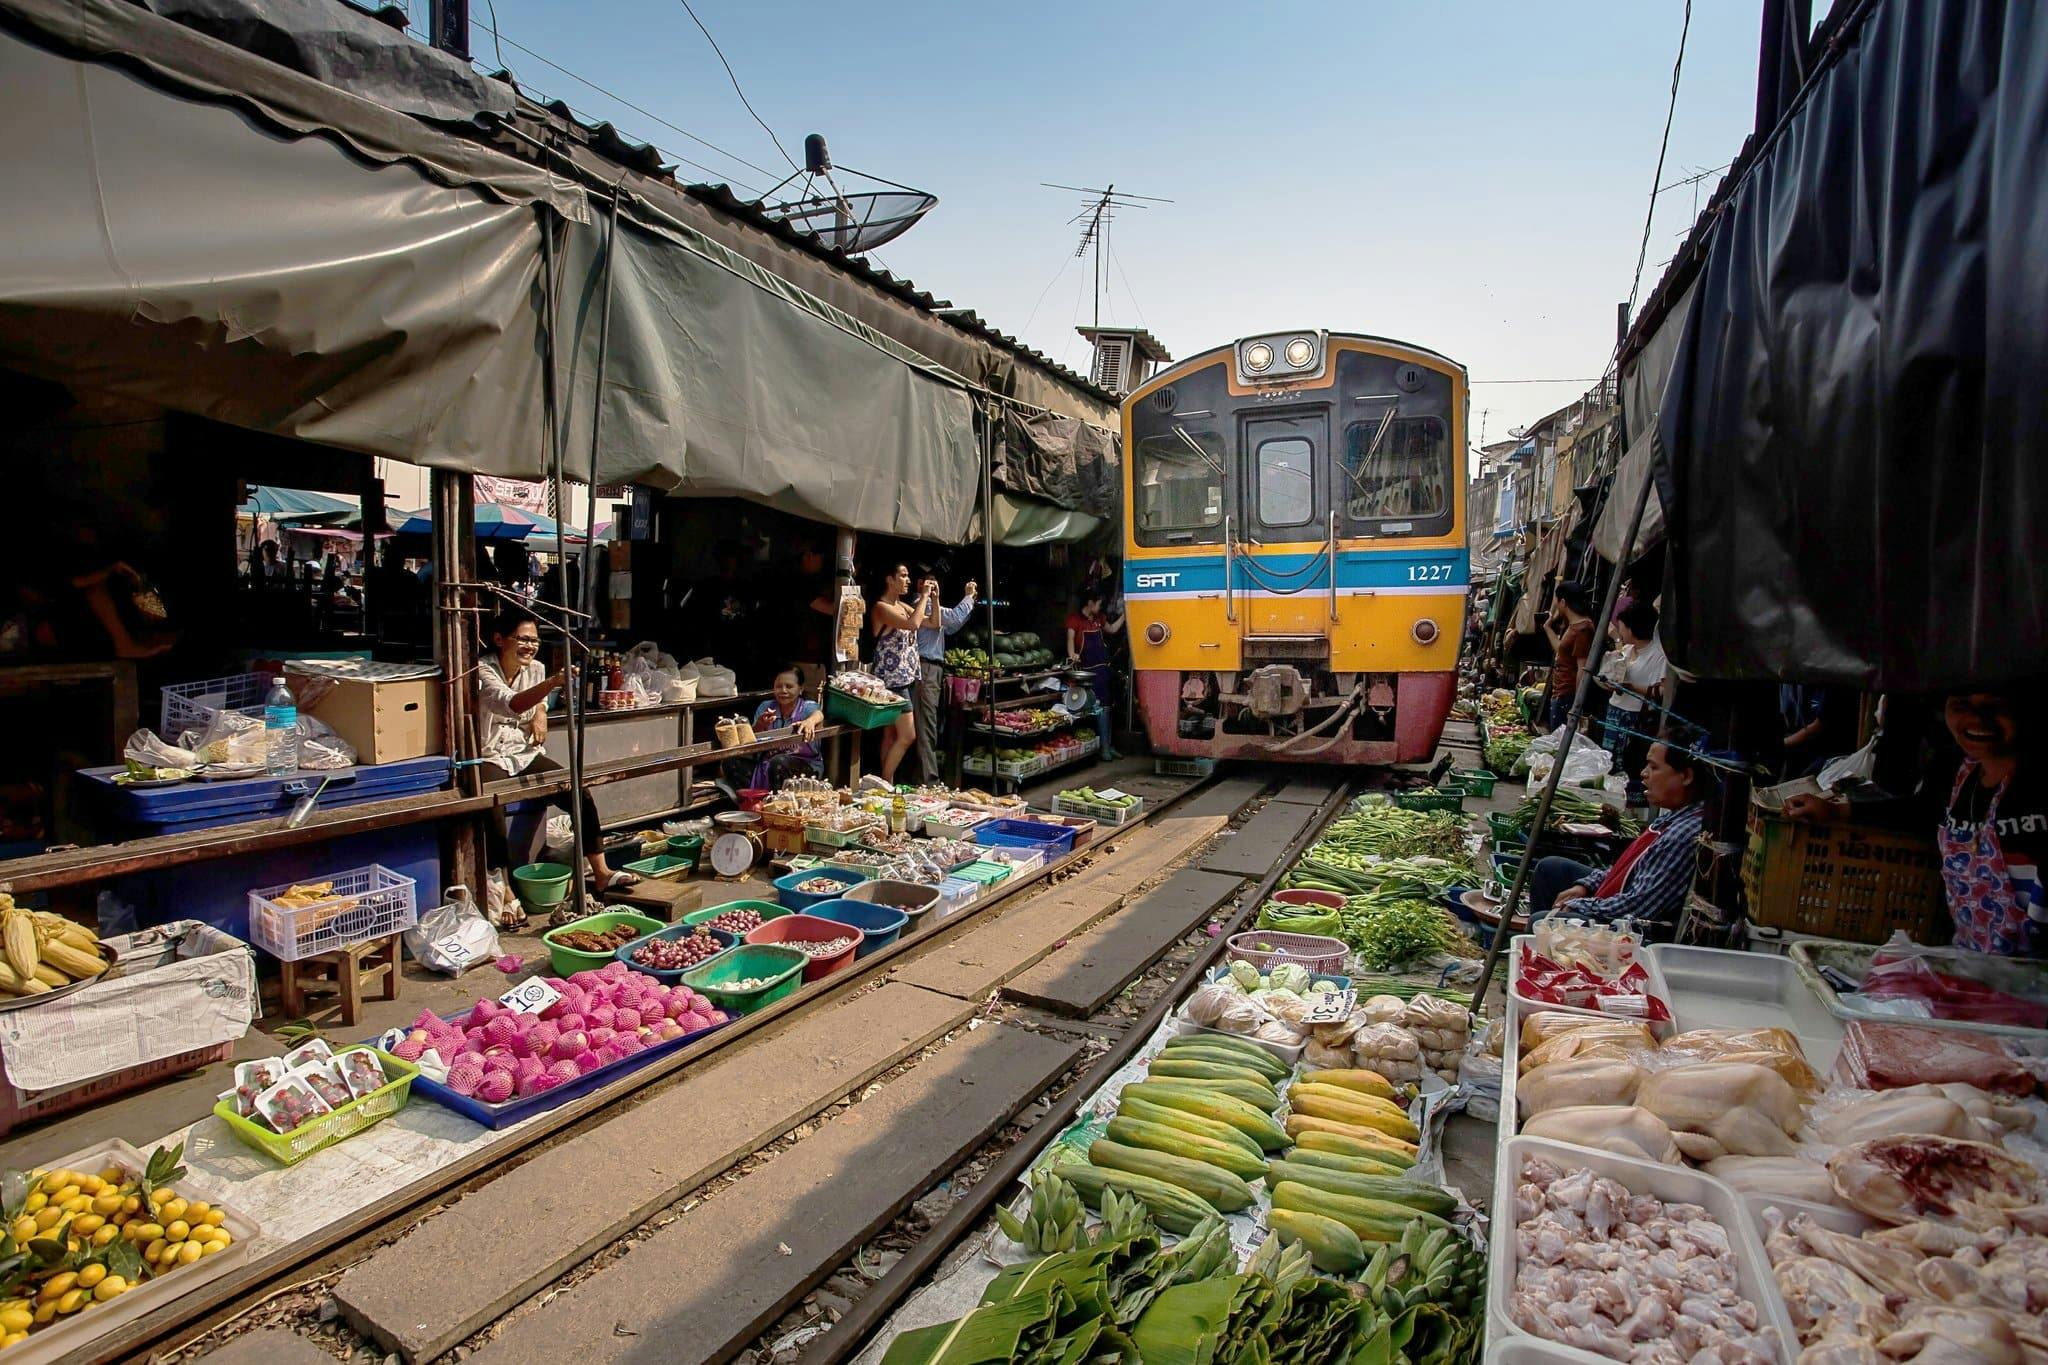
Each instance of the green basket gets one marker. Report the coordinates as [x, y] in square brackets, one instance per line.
[1443, 798]
[1505, 831]
[301, 1142]
[987, 874]
[844, 709]
[662, 867]
[689, 846]
[568, 960]
[1476, 781]
[782, 968]
[767, 910]
[542, 886]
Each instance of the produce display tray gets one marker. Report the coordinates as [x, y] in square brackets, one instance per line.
[1669, 1183]
[1658, 987]
[71, 1338]
[1716, 988]
[1101, 812]
[2015, 976]
[287, 1149]
[514, 1110]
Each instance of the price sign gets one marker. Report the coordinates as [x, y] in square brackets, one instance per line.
[453, 951]
[1326, 1006]
[530, 997]
[1112, 794]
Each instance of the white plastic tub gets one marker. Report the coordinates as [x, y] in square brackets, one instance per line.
[1527, 1006]
[1715, 988]
[1673, 1184]
[1505, 1349]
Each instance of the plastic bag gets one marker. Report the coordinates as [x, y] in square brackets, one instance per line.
[230, 739]
[1850, 769]
[1586, 766]
[151, 752]
[452, 938]
[320, 747]
[714, 681]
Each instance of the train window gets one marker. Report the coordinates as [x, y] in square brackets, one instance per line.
[1404, 478]
[1287, 481]
[1178, 489]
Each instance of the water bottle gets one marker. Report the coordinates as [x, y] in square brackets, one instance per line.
[280, 730]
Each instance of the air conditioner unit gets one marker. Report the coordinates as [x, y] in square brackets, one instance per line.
[1112, 364]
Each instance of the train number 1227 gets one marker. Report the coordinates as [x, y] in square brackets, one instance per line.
[1429, 573]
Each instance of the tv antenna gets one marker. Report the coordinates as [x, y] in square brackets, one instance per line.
[853, 223]
[1097, 212]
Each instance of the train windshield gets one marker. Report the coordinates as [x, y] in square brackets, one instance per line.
[1398, 478]
[1177, 485]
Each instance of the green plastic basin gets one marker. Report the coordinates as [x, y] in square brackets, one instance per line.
[568, 960]
[542, 886]
[779, 969]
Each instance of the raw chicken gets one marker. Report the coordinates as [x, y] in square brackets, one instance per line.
[1772, 1048]
[1562, 1085]
[1899, 1179]
[1788, 1177]
[1936, 1334]
[1825, 1298]
[1720, 1109]
[1622, 1129]
[1887, 1268]
[1841, 1350]
[1628, 1276]
[1920, 1110]
[1610, 1038]
[1982, 1105]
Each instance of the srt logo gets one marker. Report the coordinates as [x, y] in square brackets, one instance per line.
[1158, 580]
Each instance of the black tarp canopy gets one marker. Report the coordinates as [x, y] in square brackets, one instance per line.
[1853, 446]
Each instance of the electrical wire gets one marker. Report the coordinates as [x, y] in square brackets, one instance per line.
[1664, 145]
[1129, 292]
[1066, 259]
[734, 78]
[497, 44]
[644, 113]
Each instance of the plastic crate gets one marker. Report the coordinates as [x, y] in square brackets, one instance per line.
[523, 1107]
[1102, 812]
[825, 837]
[1036, 834]
[568, 961]
[1443, 798]
[1476, 781]
[193, 705]
[22, 1106]
[1505, 830]
[364, 903]
[844, 709]
[301, 1142]
[779, 969]
[1850, 882]
[661, 867]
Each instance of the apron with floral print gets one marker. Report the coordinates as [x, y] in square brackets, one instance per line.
[1990, 915]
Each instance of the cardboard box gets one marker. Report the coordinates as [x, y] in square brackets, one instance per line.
[386, 720]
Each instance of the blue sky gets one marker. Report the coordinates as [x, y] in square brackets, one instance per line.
[1468, 175]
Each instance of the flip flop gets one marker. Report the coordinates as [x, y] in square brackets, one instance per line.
[619, 880]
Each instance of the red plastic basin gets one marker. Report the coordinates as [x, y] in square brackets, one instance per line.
[1322, 900]
[794, 929]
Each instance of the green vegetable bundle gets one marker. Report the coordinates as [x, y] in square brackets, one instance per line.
[1299, 919]
[1505, 750]
[1389, 931]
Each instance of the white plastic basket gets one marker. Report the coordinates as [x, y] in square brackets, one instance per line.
[1099, 811]
[367, 902]
[191, 705]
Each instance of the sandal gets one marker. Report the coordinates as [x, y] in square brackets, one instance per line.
[619, 880]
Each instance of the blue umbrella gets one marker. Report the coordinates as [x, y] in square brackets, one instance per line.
[494, 521]
[295, 504]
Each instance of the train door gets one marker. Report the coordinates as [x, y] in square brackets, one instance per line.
[1286, 500]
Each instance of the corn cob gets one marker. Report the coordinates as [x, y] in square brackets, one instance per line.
[50, 976]
[18, 939]
[13, 984]
[72, 932]
[66, 958]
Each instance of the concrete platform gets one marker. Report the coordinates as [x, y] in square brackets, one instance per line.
[1311, 789]
[1253, 850]
[271, 1346]
[1080, 979]
[719, 1274]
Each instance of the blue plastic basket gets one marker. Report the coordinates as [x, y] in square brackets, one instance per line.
[513, 1110]
[667, 976]
[787, 884]
[880, 924]
[1053, 839]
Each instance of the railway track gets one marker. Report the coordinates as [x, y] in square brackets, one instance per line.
[931, 1007]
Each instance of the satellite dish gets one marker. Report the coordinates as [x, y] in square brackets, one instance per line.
[855, 221]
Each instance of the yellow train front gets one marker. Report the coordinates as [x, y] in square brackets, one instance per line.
[1295, 565]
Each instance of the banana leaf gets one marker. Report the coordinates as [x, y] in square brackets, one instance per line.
[1082, 1275]
[1185, 1324]
[994, 1332]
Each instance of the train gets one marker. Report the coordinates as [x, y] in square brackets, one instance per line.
[1295, 560]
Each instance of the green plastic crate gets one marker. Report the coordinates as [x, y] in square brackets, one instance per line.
[1443, 798]
[1505, 830]
[782, 969]
[767, 910]
[301, 1142]
[568, 960]
[1476, 781]
[843, 709]
[662, 867]
[988, 874]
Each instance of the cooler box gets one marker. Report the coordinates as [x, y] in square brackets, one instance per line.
[387, 715]
[208, 805]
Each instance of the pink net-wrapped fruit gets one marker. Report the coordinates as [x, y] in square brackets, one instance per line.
[586, 1062]
[626, 1020]
[571, 1021]
[409, 1050]
[569, 1044]
[485, 1010]
[564, 1070]
[598, 1037]
[528, 1066]
[599, 1016]
[630, 1042]
[496, 1087]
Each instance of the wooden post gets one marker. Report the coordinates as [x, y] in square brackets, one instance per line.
[373, 519]
[456, 630]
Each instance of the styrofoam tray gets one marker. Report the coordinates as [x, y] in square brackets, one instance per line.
[1658, 988]
[1716, 988]
[1669, 1183]
[69, 1339]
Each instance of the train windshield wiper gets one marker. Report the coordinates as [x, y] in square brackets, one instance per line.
[1192, 444]
[1372, 451]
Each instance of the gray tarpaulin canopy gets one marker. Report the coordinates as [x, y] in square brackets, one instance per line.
[199, 228]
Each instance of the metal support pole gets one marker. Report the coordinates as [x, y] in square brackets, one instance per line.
[453, 500]
[991, 414]
[1564, 749]
[555, 433]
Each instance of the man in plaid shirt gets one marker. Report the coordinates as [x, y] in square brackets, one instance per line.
[1647, 884]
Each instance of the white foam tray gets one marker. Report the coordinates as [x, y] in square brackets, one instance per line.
[1669, 1183]
[1716, 988]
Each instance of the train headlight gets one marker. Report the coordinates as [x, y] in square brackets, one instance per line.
[1425, 632]
[1299, 353]
[1156, 633]
[1258, 357]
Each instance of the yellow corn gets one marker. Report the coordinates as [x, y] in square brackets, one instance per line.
[50, 976]
[13, 984]
[18, 941]
[70, 961]
[56, 926]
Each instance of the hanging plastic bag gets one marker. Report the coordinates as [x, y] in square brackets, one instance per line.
[454, 937]
[716, 681]
[1850, 770]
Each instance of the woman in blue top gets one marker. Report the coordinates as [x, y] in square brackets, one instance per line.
[788, 709]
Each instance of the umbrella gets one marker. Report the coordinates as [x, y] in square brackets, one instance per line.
[498, 521]
[295, 504]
